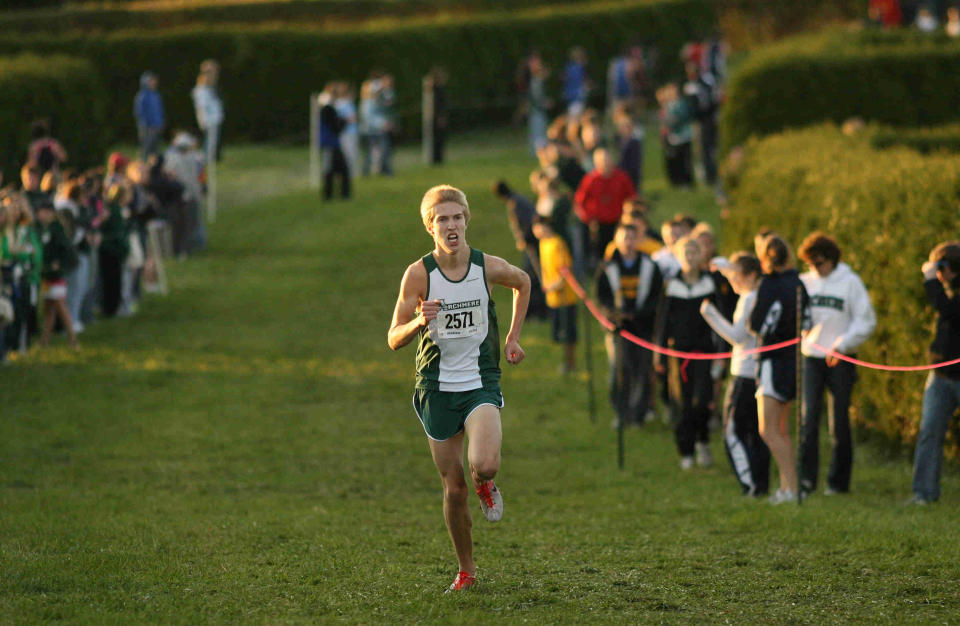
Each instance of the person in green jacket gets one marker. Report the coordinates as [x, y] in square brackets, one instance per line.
[114, 246]
[24, 252]
[59, 257]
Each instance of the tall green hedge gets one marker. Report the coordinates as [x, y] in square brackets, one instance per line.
[268, 72]
[58, 88]
[887, 209]
[900, 79]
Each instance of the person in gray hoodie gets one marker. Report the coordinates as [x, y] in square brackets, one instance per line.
[843, 319]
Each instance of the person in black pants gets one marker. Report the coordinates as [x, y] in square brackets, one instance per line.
[114, 248]
[843, 319]
[334, 161]
[682, 327]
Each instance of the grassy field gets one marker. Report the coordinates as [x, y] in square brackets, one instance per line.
[244, 451]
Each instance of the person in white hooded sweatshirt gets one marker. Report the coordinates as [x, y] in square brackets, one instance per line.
[843, 319]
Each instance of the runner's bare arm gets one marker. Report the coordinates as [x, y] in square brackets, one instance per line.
[406, 323]
[499, 272]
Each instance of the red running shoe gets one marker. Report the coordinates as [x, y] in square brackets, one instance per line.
[491, 501]
[461, 582]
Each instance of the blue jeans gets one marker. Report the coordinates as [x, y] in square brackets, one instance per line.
[941, 397]
[78, 283]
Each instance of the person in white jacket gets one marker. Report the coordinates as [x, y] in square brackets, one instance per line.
[209, 108]
[748, 454]
[843, 319]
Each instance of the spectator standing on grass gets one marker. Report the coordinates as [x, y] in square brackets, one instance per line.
[184, 163]
[437, 83]
[599, 204]
[538, 104]
[148, 111]
[952, 26]
[748, 454]
[24, 251]
[682, 327]
[629, 286]
[520, 215]
[576, 82]
[630, 144]
[45, 152]
[554, 257]
[69, 205]
[676, 135]
[842, 319]
[386, 104]
[59, 258]
[366, 116]
[774, 320]
[941, 396]
[349, 138]
[209, 108]
[331, 129]
[114, 247]
[703, 98]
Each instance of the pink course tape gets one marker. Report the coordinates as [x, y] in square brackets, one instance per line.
[703, 356]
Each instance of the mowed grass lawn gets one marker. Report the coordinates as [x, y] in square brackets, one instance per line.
[245, 451]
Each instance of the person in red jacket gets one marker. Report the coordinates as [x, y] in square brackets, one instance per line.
[599, 204]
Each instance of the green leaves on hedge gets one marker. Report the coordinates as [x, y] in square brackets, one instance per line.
[67, 91]
[887, 209]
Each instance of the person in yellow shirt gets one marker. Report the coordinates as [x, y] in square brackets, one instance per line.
[561, 300]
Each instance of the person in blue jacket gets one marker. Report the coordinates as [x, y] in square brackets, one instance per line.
[148, 110]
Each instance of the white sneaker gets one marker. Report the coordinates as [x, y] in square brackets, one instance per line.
[686, 463]
[783, 496]
[491, 501]
[78, 327]
[704, 457]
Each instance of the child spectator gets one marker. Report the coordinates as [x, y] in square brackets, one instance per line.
[843, 319]
[941, 397]
[670, 232]
[629, 287]
[645, 243]
[682, 327]
[555, 256]
[774, 320]
[748, 454]
[59, 258]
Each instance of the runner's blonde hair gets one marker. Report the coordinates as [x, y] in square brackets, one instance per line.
[439, 195]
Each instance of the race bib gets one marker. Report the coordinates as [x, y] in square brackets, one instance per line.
[457, 320]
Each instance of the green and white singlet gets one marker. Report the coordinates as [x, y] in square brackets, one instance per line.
[460, 350]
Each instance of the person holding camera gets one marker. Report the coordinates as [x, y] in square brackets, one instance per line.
[941, 397]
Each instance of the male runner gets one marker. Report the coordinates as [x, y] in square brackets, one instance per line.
[445, 303]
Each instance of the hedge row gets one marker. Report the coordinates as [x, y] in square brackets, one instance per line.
[269, 72]
[923, 140]
[887, 209]
[97, 18]
[891, 78]
[58, 88]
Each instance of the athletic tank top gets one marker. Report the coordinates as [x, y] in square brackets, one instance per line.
[460, 350]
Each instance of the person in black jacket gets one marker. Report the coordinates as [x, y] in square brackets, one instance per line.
[774, 319]
[334, 161]
[681, 327]
[941, 397]
[628, 287]
[59, 257]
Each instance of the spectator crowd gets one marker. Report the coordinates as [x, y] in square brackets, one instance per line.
[664, 284]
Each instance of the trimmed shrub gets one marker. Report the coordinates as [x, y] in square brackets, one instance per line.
[923, 140]
[887, 209]
[268, 72]
[58, 88]
[900, 79]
